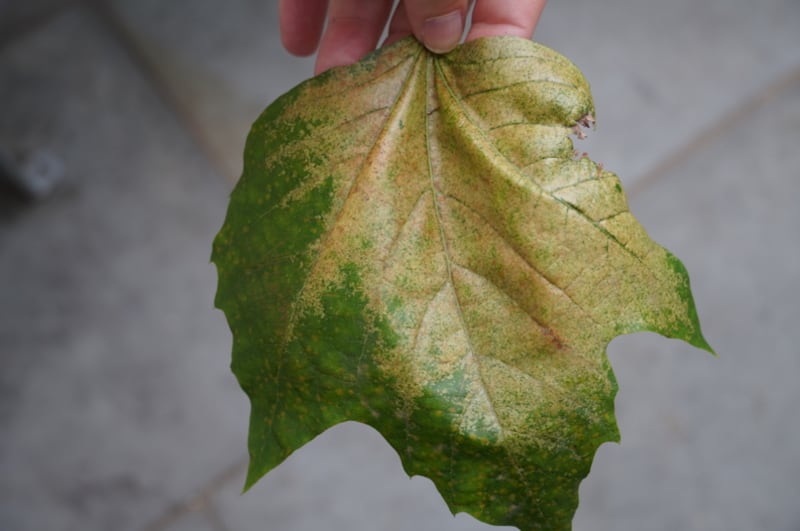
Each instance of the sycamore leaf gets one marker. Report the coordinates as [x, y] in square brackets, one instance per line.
[413, 245]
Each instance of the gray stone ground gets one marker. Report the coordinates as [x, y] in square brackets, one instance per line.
[117, 409]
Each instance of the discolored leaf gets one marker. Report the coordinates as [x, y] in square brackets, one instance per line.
[413, 245]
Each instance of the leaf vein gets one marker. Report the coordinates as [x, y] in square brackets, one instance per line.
[566, 204]
[519, 254]
[519, 83]
[448, 259]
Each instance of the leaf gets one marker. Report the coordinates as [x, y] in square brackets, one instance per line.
[413, 245]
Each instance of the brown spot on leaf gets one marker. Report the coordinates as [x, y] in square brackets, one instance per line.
[554, 338]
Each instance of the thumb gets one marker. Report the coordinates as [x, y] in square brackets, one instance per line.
[438, 24]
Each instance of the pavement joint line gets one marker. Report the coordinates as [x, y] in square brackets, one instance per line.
[212, 515]
[202, 501]
[705, 136]
[114, 23]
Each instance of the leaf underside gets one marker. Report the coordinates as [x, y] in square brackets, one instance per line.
[413, 245]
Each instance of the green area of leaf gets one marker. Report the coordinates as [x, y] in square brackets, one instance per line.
[413, 245]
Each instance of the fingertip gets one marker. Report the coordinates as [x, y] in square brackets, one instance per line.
[301, 23]
[344, 43]
[354, 27]
[442, 33]
[499, 17]
[437, 24]
[300, 48]
[479, 29]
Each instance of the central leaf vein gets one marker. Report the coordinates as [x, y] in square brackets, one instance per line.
[446, 252]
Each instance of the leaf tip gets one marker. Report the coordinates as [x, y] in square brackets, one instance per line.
[701, 343]
[691, 332]
[254, 473]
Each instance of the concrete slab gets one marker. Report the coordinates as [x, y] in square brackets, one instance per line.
[225, 64]
[116, 397]
[712, 444]
[116, 403]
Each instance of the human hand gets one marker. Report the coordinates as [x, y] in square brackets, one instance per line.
[354, 26]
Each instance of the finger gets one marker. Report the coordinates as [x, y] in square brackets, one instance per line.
[354, 27]
[505, 17]
[399, 27]
[301, 24]
[438, 24]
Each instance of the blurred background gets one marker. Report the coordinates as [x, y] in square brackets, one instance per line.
[121, 131]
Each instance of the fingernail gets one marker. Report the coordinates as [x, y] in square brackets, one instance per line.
[441, 34]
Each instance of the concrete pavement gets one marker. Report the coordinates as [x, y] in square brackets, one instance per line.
[117, 408]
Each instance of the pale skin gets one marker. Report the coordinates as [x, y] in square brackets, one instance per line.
[355, 26]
